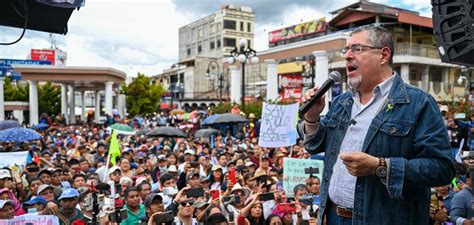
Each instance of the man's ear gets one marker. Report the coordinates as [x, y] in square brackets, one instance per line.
[385, 55]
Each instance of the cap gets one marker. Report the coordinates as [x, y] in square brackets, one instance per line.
[151, 198]
[200, 204]
[216, 167]
[44, 152]
[36, 199]
[444, 108]
[191, 175]
[4, 173]
[252, 116]
[69, 193]
[189, 151]
[113, 169]
[247, 164]
[3, 202]
[161, 158]
[43, 187]
[230, 163]
[127, 150]
[238, 187]
[45, 171]
[204, 178]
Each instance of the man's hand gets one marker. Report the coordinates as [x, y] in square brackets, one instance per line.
[181, 196]
[313, 221]
[359, 164]
[315, 111]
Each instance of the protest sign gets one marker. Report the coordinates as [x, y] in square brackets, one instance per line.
[278, 125]
[294, 172]
[9, 159]
[33, 219]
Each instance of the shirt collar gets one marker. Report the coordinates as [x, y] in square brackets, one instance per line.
[383, 88]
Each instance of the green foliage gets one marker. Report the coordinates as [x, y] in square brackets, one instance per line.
[223, 107]
[142, 96]
[49, 99]
[49, 95]
[254, 107]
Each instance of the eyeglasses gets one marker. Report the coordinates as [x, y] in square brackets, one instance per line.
[357, 48]
[185, 203]
[116, 173]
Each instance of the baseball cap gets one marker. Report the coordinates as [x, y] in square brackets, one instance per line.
[172, 169]
[36, 199]
[204, 178]
[113, 169]
[189, 151]
[3, 202]
[69, 193]
[162, 158]
[151, 198]
[4, 173]
[216, 167]
[191, 175]
[247, 164]
[44, 187]
[45, 171]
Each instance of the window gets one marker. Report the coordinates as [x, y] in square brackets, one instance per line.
[249, 27]
[229, 42]
[189, 51]
[212, 45]
[230, 24]
[218, 43]
[213, 28]
[241, 26]
[219, 26]
[248, 44]
[200, 33]
[199, 48]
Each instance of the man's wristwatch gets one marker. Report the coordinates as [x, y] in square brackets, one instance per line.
[381, 170]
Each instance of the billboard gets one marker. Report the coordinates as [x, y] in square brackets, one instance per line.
[43, 55]
[297, 30]
[290, 87]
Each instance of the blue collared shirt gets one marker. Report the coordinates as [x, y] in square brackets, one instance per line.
[342, 184]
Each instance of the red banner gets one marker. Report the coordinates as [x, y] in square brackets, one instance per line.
[43, 55]
[298, 30]
[290, 87]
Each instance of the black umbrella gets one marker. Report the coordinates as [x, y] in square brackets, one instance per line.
[8, 124]
[143, 131]
[205, 133]
[167, 132]
[229, 118]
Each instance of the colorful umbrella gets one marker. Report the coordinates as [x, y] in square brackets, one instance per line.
[177, 111]
[40, 126]
[19, 134]
[122, 129]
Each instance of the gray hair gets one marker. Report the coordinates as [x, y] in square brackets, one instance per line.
[378, 37]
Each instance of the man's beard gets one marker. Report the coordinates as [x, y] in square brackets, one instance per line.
[354, 82]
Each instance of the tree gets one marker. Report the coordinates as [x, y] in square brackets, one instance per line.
[49, 99]
[142, 96]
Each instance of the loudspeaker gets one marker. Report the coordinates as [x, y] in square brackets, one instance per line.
[453, 27]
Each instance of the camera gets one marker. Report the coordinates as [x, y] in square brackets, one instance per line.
[311, 170]
[233, 200]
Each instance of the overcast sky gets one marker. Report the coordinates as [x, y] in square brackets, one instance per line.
[142, 35]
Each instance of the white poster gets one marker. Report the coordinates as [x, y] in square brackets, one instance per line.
[9, 159]
[278, 125]
[32, 219]
[294, 172]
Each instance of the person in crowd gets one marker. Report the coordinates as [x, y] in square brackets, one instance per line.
[153, 206]
[216, 180]
[371, 180]
[252, 213]
[46, 191]
[185, 213]
[144, 190]
[34, 205]
[446, 194]
[6, 194]
[135, 210]
[6, 210]
[438, 212]
[462, 211]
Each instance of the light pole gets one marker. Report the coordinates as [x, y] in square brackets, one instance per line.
[219, 75]
[242, 54]
[308, 73]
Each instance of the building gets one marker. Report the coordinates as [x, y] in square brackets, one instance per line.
[216, 35]
[199, 78]
[416, 57]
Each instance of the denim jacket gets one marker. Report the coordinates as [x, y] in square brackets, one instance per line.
[412, 134]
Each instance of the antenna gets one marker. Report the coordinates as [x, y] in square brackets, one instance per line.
[52, 40]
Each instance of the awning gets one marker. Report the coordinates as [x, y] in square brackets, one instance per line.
[292, 67]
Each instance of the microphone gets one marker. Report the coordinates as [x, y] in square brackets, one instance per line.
[334, 77]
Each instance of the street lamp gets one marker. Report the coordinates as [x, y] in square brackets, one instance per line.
[308, 73]
[242, 54]
[219, 75]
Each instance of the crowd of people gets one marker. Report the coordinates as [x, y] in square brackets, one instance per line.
[156, 180]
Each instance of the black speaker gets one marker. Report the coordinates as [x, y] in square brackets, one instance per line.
[453, 27]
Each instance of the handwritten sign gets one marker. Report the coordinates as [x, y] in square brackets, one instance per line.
[278, 125]
[33, 219]
[294, 172]
[9, 159]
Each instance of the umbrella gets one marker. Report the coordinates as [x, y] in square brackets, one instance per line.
[19, 134]
[40, 126]
[195, 114]
[8, 124]
[177, 111]
[123, 129]
[143, 131]
[186, 116]
[210, 119]
[205, 133]
[167, 132]
[229, 118]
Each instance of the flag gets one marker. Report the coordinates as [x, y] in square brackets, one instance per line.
[114, 149]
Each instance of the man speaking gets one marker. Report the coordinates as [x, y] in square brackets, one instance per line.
[385, 142]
